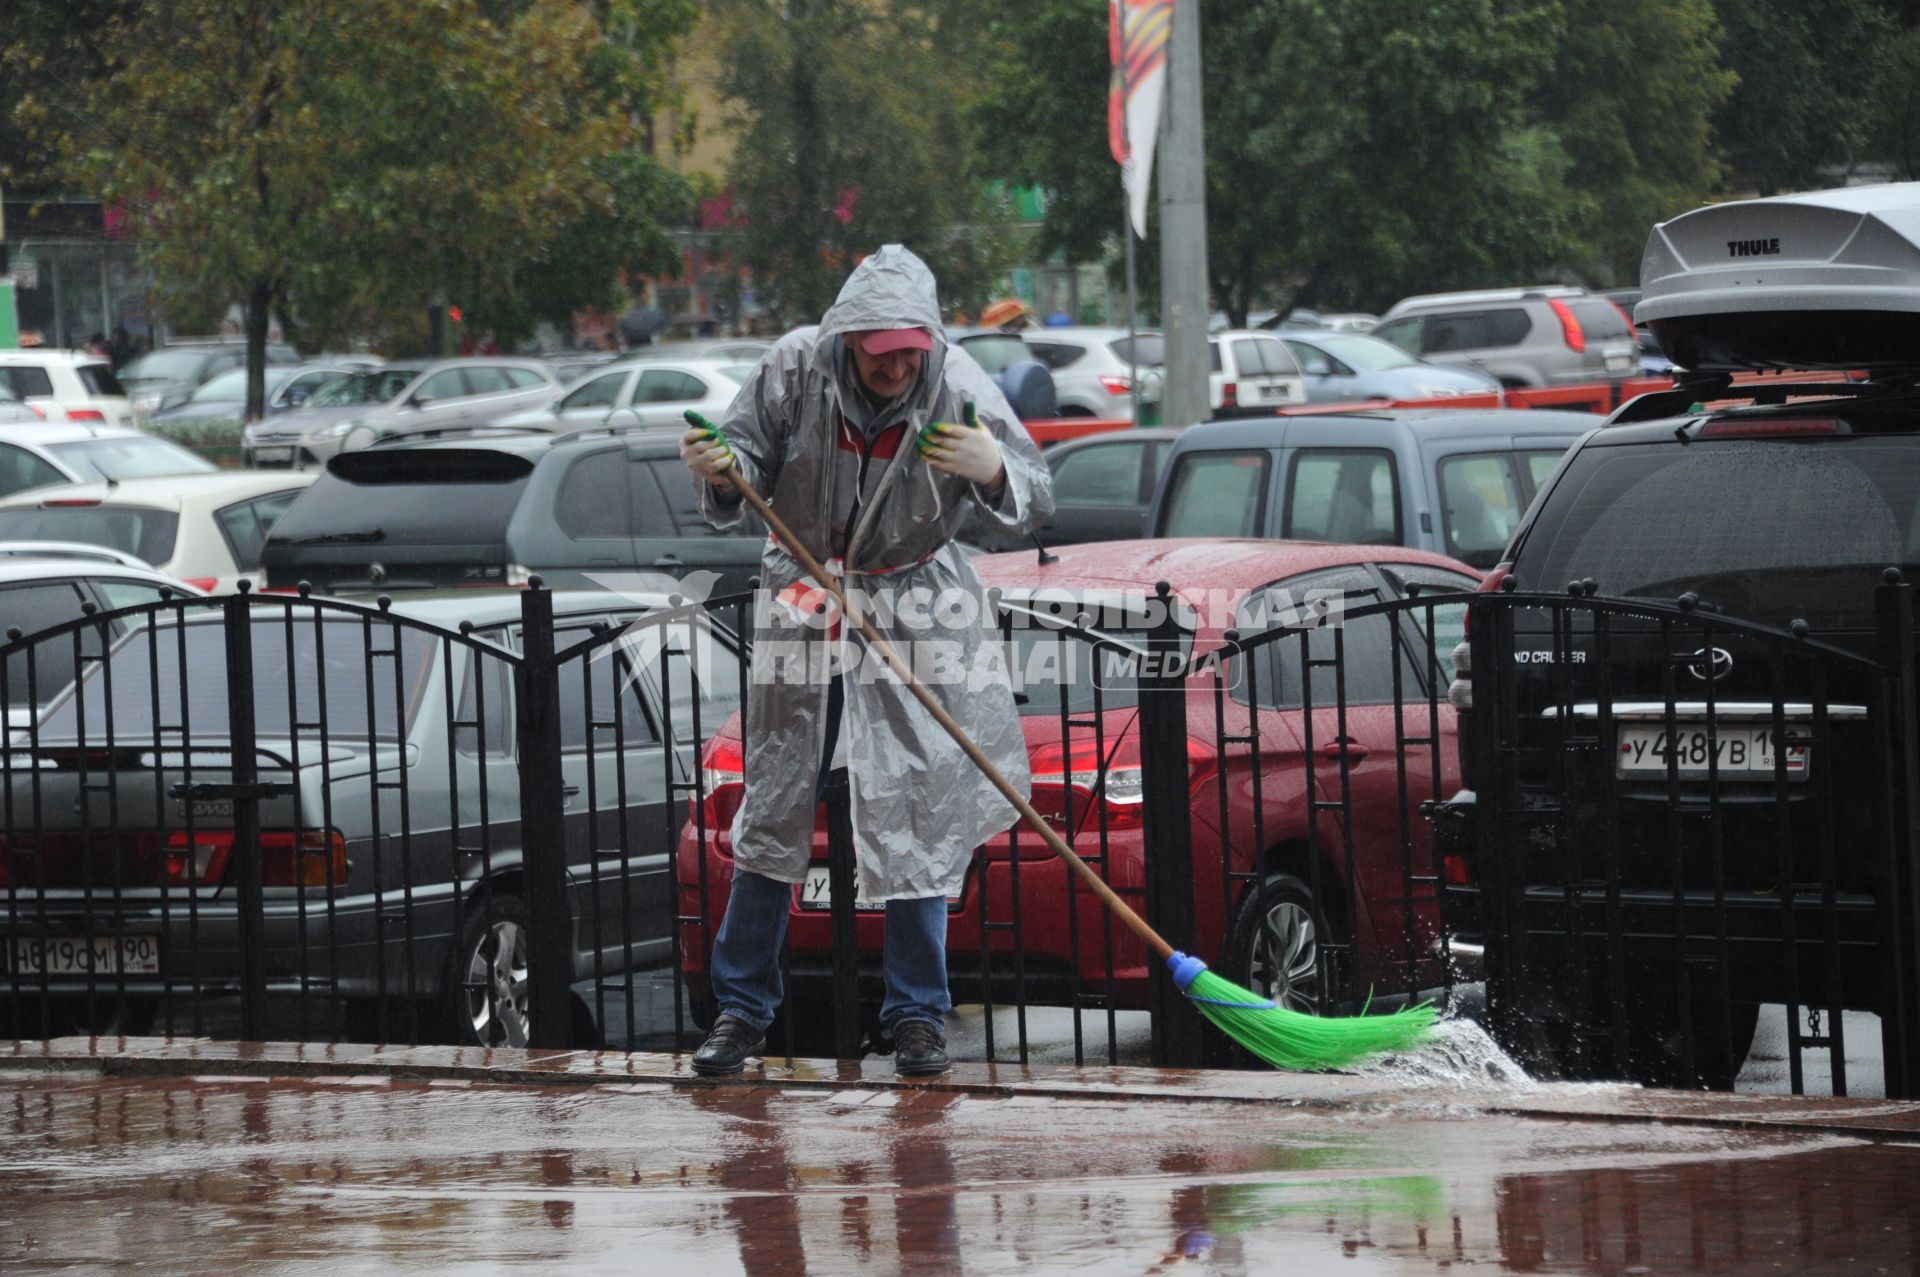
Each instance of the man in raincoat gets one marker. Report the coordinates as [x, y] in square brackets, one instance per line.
[829, 428]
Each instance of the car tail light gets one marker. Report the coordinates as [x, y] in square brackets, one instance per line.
[1230, 395]
[1569, 325]
[69, 503]
[36, 411]
[1117, 385]
[519, 577]
[723, 781]
[87, 414]
[1453, 868]
[199, 860]
[204, 584]
[1489, 584]
[311, 858]
[1770, 428]
[1122, 798]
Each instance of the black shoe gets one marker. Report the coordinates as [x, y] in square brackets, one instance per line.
[919, 1048]
[728, 1047]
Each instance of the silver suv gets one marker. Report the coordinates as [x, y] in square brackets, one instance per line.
[1529, 338]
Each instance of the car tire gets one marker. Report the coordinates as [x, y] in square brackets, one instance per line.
[484, 999]
[1273, 948]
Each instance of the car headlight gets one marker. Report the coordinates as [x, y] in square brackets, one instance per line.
[332, 431]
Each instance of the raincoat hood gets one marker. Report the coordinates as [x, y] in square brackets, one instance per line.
[891, 289]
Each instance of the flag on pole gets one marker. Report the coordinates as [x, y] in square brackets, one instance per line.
[1137, 47]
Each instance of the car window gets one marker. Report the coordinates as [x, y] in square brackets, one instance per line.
[669, 385]
[1449, 621]
[1151, 349]
[443, 385]
[119, 594]
[1404, 333]
[1352, 350]
[601, 392]
[145, 534]
[521, 378]
[306, 385]
[710, 667]
[1213, 356]
[245, 525]
[1599, 318]
[27, 381]
[1364, 646]
[593, 687]
[1274, 359]
[1216, 494]
[1480, 505]
[482, 725]
[996, 352]
[677, 491]
[1055, 354]
[1540, 465]
[1344, 495]
[128, 457]
[649, 511]
[99, 381]
[228, 385]
[33, 608]
[486, 380]
[592, 504]
[1247, 358]
[1314, 361]
[1101, 475]
[1475, 330]
[20, 470]
[166, 365]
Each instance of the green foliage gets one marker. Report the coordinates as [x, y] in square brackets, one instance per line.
[853, 132]
[1893, 125]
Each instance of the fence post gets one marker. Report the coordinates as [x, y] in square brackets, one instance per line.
[842, 917]
[1900, 913]
[543, 837]
[1502, 929]
[1167, 832]
[249, 897]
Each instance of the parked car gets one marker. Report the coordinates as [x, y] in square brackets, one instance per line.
[1103, 486]
[1344, 366]
[1782, 515]
[14, 412]
[163, 378]
[1452, 480]
[205, 529]
[393, 737]
[570, 366]
[652, 392]
[447, 393]
[726, 350]
[48, 583]
[288, 386]
[66, 385]
[1092, 372]
[1021, 376]
[1545, 336]
[1269, 938]
[1653, 360]
[37, 456]
[1252, 374]
[499, 509]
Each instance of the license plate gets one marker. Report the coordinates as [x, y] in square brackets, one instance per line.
[76, 955]
[272, 456]
[1273, 392]
[1743, 751]
[817, 892]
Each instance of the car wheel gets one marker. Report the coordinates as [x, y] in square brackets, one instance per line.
[486, 992]
[1274, 947]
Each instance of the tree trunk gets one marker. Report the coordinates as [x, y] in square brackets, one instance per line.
[259, 307]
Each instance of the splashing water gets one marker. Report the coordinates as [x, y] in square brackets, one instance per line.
[1459, 1055]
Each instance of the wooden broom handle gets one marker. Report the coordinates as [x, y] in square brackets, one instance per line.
[791, 544]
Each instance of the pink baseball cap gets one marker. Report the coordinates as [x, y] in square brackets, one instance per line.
[881, 341]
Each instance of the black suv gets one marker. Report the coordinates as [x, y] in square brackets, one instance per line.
[1684, 788]
[498, 509]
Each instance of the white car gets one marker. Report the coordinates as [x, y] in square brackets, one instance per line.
[38, 455]
[1253, 373]
[648, 393]
[205, 529]
[1092, 375]
[66, 385]
[43, 585]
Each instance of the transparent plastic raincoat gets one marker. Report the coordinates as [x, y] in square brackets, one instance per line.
[844, 474]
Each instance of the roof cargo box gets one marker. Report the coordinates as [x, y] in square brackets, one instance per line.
[1829, 279]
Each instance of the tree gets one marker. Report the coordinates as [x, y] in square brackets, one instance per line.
[1631, 97]
[1355, 150]
[271, 151]
[853, 132]
[1893, 125]
[1803, 101]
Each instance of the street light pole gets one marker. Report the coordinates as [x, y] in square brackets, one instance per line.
[1183, 226]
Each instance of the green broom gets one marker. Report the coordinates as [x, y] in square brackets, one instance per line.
[1285, 1039]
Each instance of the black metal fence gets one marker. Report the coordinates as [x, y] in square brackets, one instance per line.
[504, 820]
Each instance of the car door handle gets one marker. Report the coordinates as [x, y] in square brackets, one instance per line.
[1346, 747]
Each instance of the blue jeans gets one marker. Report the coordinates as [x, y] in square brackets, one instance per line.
[746, 954]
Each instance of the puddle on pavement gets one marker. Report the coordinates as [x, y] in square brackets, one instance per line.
[360, 1175]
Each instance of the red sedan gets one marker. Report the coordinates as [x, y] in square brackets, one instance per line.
[1256, 838]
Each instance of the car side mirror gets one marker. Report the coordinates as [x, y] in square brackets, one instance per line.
[419, 401]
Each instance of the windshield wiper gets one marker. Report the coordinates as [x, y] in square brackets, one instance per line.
[357, 538]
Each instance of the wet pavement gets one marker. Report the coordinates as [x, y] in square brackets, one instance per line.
[199, 1157]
